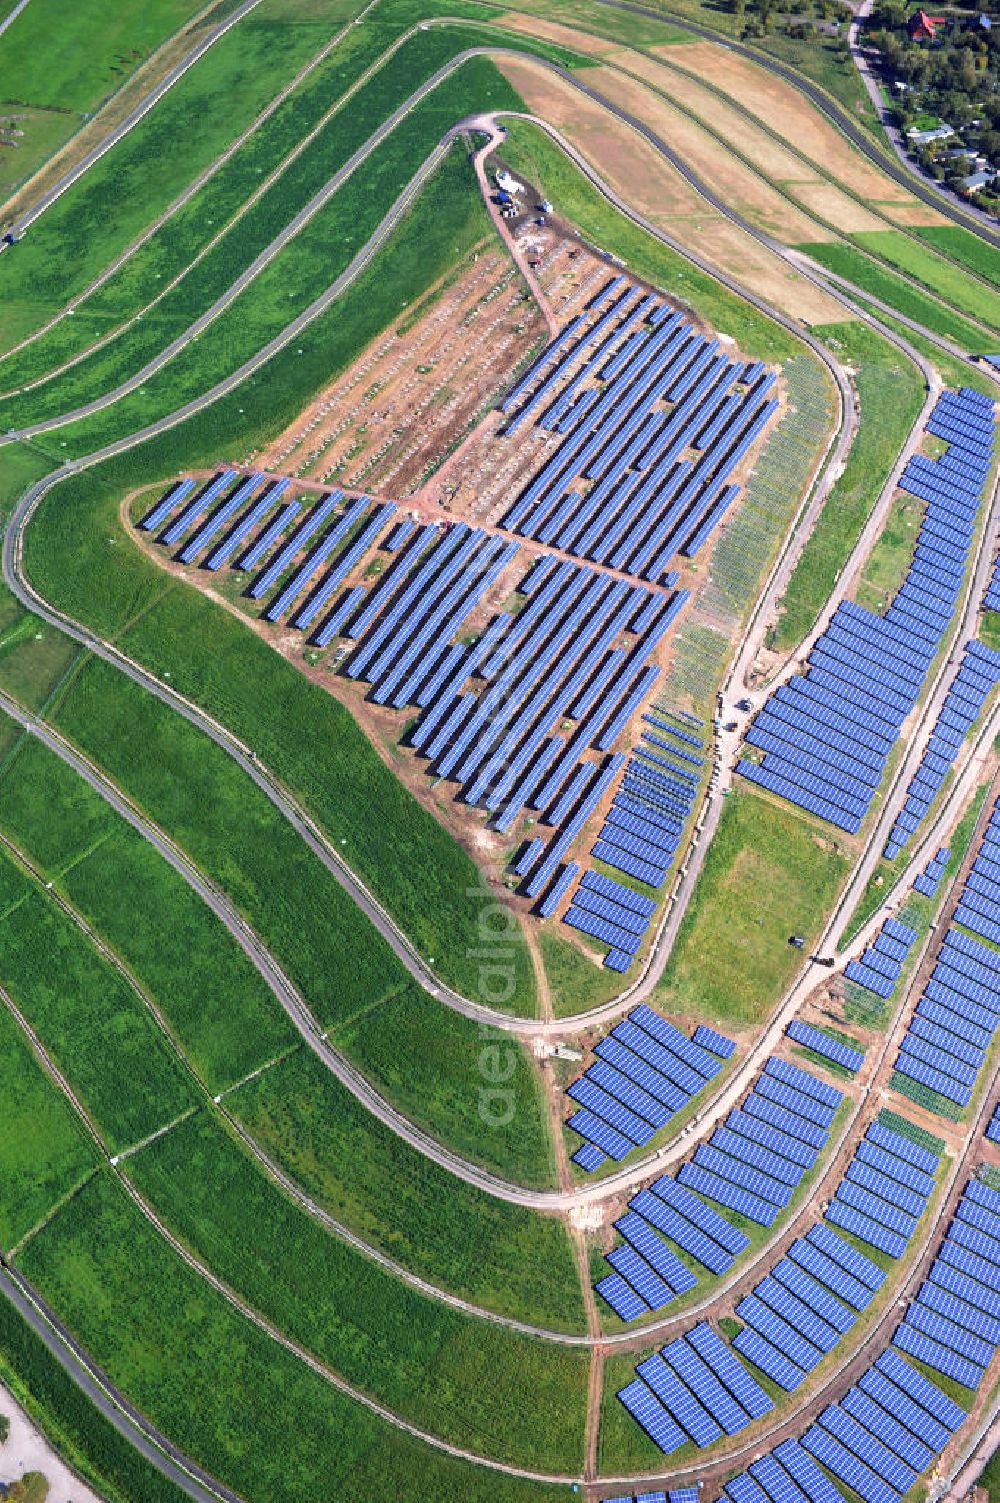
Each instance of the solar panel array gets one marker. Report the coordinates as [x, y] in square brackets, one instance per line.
[953, 1324]
[645, 1070]
[879, 967]
[672, 1495]
[977, 677]
[885, 1190]
[827, 736]
[492, 711]
[654, 420]
[748, 1165]
[762, 1151]
[956, 1018]
[928, 881]
[797, 1314]
[694, 1389]
[823, 1043]
[878, 1439]
[606, 910]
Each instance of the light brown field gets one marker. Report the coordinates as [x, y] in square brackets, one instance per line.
[775, 161]
[771, 98]
[553, 31]
[846, 213]
[656, 190]
[736, 183]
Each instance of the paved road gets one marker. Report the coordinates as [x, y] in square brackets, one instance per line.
[899, 172]
[177, 72]
[12, 16]
[127, 1420]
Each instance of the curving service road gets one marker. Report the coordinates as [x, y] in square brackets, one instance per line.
[198, 1485]
[13, 571]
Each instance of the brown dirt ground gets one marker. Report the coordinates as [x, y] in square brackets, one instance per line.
[416, 390]
[771, 98]
[640, 175]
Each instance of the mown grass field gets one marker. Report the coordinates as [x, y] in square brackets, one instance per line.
[195, 121]
[496, 1254]
[44, 1148]
[578, 984]
[470, 1381]
[897, 292]
[891, 392]
[886, 566]
[439, 1068]
[939, 276]
[214, 1000]
[217, 1385]
[961, 245]
[770, 873]
[319, 936]
[58, 86]
[83, 1436]
[315, 255]
[90, 1021]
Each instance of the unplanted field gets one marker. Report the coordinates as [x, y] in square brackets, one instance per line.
[217, 1386]
[637, 172]
[770, 873]
[499, 1255]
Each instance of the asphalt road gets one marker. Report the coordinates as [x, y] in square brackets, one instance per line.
[113, 1405]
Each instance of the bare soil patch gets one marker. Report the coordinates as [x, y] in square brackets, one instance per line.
[416, 391]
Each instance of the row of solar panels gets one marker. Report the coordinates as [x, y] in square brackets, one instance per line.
[955, 1021]
[879, 968]
[885, 1190]
[826, 738]
[762, 1151]
[823, 1043]
[645, 1070]
[697, 1389]
[928, 881]
[891, 1424]
[977, 677]
[953, 1324]
[646, 500]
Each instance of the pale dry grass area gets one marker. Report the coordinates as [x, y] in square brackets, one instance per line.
[642, 178]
